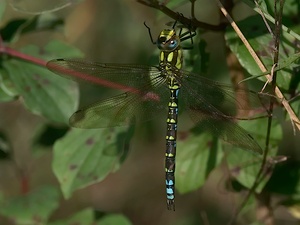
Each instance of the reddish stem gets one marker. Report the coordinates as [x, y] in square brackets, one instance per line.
[20, 55]
[12, 52]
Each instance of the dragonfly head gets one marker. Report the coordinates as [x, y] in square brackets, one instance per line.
[168, 40]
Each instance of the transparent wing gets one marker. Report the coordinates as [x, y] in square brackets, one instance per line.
[122, 109]
[120, 76]
[210, 105]
[223, 97]
[145, 98]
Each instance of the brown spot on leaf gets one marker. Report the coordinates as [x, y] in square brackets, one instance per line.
[45, 82]
[73, 166]
[236, 171]
[81, 176]
[90, 141]
[36, 77]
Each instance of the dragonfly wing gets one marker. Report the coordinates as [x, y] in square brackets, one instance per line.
[225, 97]
[123, 109]
[204, 101]
[145, 95]
[226, 129]
[119, 76]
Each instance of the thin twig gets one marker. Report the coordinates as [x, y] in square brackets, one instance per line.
[264, 18]
[268, 214]
[184, 20]
[271, 78]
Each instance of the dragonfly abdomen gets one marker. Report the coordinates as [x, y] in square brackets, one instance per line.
[171, 146]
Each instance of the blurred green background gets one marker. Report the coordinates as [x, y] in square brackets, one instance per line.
[113, 31]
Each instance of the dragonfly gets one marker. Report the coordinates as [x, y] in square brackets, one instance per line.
[152, 90]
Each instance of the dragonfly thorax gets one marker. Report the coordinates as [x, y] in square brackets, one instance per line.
[170, 59]
[170, 65]
[171, 62]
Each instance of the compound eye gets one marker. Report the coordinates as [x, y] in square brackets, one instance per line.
[173, 44]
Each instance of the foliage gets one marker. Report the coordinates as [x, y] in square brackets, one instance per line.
[81, 158]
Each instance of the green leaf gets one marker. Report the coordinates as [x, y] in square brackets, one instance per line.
[261, 41]
[196, 157]
[58, 49]
[33, 208]
[258, 129]
[7, 88]
[84, 157]
[84, 217]
[2, 8]
[115, 219]
[244, 166]
[289, 6]
[282, 64]
[43, 92]
[296, 106]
